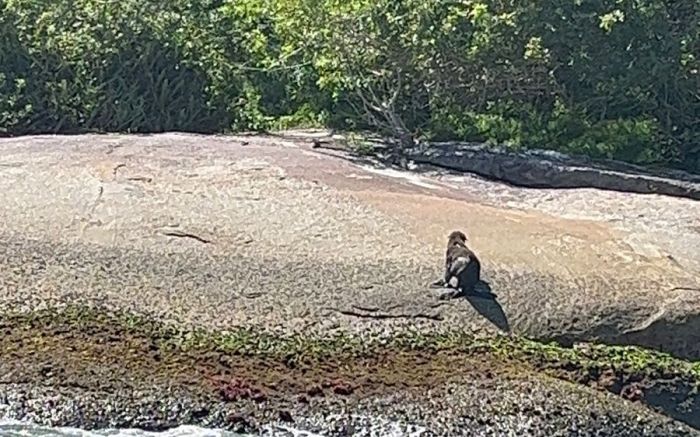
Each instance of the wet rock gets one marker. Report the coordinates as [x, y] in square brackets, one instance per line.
[314, 390]
[239, 423]
[633, 392]
[285, 416]
[238, 389]
[610, 381]
[200, 412]
[342, 388]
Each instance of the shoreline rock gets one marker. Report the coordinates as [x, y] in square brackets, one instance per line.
[88, 362]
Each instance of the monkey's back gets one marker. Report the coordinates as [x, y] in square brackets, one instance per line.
[463, 263]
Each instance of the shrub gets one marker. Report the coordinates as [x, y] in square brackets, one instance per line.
[605, 78]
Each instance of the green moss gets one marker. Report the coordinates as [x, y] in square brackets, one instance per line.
[570, 363]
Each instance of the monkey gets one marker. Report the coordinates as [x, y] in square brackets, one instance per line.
[461, 263]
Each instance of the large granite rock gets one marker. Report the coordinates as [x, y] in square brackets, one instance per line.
[226, 231]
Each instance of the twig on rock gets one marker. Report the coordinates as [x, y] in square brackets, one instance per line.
[179, 234]
[384, 316]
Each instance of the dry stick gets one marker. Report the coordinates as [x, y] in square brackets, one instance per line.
[385, 316]
[179, 234]
[116, 168]
[373, 309]
[685, 289]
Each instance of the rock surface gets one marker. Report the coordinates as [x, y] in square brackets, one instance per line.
[241, 231]
[548, 169]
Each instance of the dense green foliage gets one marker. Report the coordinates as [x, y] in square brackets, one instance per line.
[608, 78]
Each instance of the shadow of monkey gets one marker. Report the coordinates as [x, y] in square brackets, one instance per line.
[484, 301]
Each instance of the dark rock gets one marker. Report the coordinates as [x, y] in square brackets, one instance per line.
[314, 390]
[236, 418]
[610, 381]
[285, 416]
[548, 169]
[201, 412]
[342, 388]
[238, 389]
[239, 423]
[633, 392]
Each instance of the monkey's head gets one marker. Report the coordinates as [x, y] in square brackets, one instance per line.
[457, 236]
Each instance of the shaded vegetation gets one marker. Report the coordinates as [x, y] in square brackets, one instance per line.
[604, 78]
